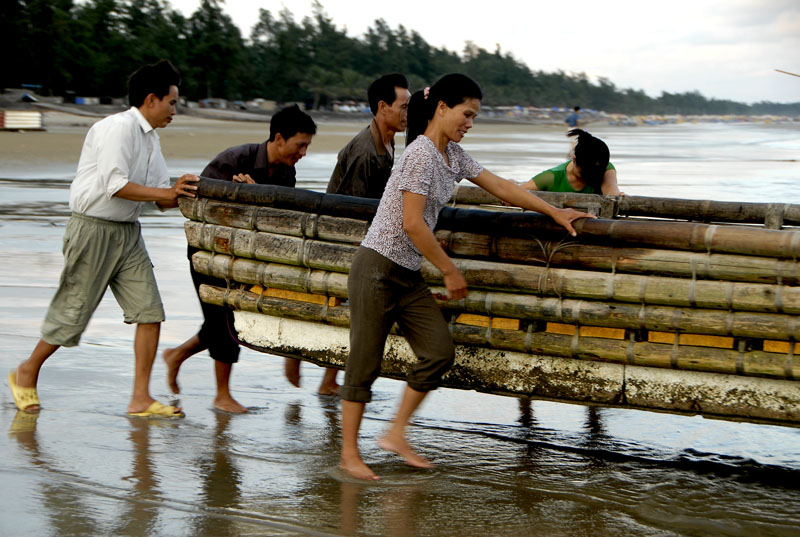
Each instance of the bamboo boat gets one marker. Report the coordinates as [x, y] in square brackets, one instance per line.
[680, 306]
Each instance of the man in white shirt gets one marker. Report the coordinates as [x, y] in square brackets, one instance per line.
[120, 168]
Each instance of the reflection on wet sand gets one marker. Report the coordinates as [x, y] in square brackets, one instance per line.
[141, 516]
[386, 511]
[222, 480]
[59, 500]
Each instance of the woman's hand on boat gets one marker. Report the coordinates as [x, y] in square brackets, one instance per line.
[455, 283]
[565, 217]
[186, 185]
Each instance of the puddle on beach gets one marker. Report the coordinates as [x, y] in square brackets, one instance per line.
[504, 466]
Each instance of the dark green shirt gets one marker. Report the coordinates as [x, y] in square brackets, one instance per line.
[555, 180]
[363, 167]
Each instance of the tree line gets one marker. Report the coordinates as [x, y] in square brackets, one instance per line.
[63, 47]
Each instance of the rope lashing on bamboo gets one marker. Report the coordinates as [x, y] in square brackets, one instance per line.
[704, 208]
[673, 357]
[708, 238]
[548, 251]
[252, 222]
[575, 343]
[740, 358]
[528, 338]
[630, 349]
[610, 281]
[324, 313]
[795, 246]
[261, 296]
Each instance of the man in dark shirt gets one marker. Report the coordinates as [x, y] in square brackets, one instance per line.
[268, 163]
[364, 165]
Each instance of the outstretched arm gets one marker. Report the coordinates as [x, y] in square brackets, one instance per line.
[515, 195]
[609, 185]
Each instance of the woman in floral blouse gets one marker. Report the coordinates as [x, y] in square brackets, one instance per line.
[385, 285]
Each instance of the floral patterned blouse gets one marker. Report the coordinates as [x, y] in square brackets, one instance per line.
[420, 170]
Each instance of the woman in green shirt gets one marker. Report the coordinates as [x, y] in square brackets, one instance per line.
[589, 171]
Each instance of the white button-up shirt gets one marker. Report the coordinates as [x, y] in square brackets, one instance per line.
[120, 148]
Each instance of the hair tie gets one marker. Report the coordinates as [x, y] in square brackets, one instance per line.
[426, 91]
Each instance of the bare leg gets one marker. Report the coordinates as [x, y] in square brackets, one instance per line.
[224, 401]
[395, 438]
[329, 386]
[291, 369]
[176, 356]
[350, 460]
[144, 348]
[28, 371]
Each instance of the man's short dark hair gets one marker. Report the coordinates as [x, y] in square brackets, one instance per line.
[383, 90]
[156, 78]
[289, 121]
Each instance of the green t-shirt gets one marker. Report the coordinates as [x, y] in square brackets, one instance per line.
[555, 180]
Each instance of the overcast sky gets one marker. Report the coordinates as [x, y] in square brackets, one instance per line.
[725, 49]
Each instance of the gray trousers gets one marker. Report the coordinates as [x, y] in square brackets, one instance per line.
[99, 254]
[381, 293]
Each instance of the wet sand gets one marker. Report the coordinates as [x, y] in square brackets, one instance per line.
[186, 138]
[82, 467]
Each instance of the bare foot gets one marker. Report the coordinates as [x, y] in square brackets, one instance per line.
[291, 369]
[229, 404]
[400, 446]
[329, 386]
[327, 389]
[355, 467]
[173, 366]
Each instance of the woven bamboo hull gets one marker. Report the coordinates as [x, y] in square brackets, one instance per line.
[684, 317]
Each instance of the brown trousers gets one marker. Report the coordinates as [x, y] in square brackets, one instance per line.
[381, 293]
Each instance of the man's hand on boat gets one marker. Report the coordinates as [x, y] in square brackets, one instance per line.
[243, 178]
[565, 217]
[186, 185]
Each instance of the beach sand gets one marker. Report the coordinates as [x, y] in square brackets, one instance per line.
[187, 137]
[191, 138]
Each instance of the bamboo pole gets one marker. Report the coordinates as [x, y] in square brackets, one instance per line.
[770, 214]
[291, 278]
[525, 307]
[574, 254]
[543, 281]
[643, 233]
[269, 247]
[282, 197]
[275, 220]
[740, 362]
